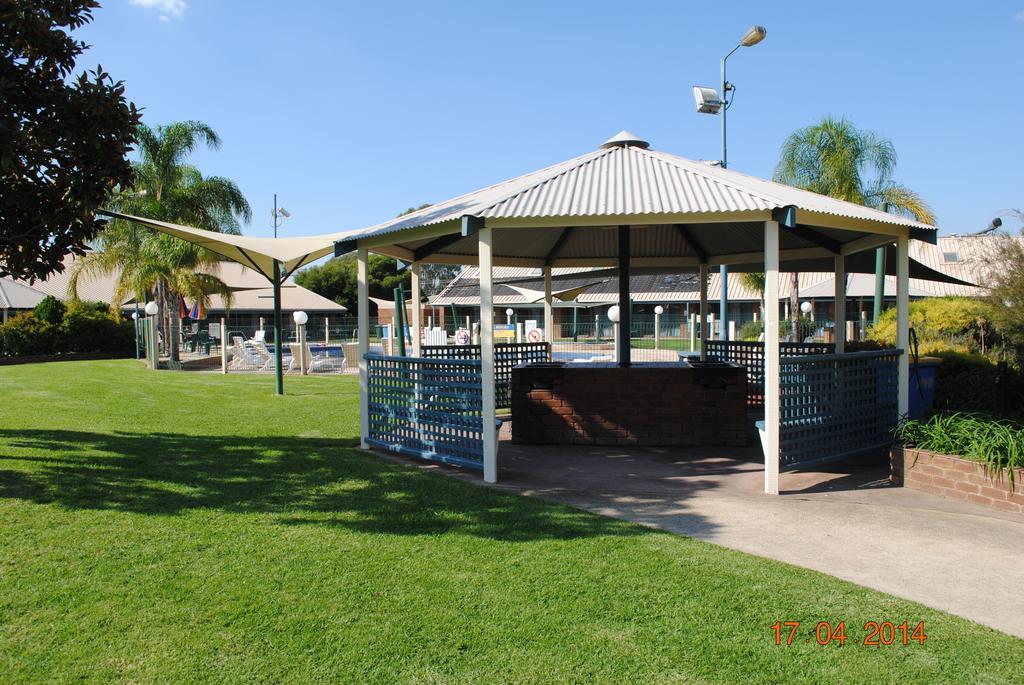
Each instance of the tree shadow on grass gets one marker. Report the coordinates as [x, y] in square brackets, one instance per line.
[293, 480]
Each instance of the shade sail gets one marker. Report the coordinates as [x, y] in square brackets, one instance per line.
[255, 253]
[564, 295]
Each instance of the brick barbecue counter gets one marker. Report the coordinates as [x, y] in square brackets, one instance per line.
[659, 403]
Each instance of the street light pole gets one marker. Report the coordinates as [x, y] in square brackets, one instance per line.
[752, 37]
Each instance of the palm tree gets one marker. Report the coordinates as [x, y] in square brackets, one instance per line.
[754, 280]
[835, 158]
[169, 189]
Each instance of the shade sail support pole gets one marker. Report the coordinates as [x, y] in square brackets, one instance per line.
[703, 275]
[840, 304]
[903, 320]
[363, 303]
[772, 395]
[278, 342]
[485, 243]
[417, 311]
[625, 327]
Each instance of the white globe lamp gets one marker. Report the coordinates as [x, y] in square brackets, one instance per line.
[300, 318]
[806, 307]
[152, 308]
[613, 313]
[659, 310]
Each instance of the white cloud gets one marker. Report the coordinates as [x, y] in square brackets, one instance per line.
[1019, 17]
[168, 9]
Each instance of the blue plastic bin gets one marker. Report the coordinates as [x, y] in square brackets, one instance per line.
[922, 385]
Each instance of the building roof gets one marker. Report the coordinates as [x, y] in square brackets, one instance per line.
[683, 209]
[15, 295]
[251, 291]
[960, 257]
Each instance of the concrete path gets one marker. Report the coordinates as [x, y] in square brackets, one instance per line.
[948, 555]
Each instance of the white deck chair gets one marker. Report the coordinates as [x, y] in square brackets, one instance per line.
[314, 362]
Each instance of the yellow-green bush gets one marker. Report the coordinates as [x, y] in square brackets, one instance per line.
[956, 324]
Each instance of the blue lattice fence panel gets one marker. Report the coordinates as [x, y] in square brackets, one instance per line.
[506, 357]
[750, 354]
[428, 408]
[834, 406]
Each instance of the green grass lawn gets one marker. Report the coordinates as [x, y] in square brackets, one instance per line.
[181, 527]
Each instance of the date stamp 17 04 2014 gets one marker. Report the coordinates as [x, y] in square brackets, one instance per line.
[876, 633]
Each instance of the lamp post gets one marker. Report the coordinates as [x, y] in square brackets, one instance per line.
[613, 316]
[301, 318]
[658, 311]
[719, 105]
[135, 319]
[153, 354]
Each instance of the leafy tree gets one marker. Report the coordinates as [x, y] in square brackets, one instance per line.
[835, 158]
[63, 139]
[1005, 281]
[167, 188]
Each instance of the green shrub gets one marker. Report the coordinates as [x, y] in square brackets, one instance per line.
[88, 329]
[968, 383]
[804, 326]
[50, 310]
[25, 336]
[751, 330]
[999, 444]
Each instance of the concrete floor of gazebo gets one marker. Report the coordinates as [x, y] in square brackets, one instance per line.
[844, 519]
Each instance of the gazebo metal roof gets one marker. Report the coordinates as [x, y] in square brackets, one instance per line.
[689, 213]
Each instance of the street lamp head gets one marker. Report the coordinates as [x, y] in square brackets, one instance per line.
[135, 316]
[300, 318]
[509, 311]
[152, 308]
[753, 36]
[659, 310]
[613, 313]
[806, 307]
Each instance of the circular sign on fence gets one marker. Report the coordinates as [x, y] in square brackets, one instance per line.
[535, 335]
[462, 336]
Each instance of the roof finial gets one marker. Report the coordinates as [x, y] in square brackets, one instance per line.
[626, 139]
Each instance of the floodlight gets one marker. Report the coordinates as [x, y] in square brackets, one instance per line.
[706, 100]
[284, 212]
[753, 36]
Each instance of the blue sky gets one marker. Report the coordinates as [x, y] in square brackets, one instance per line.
[353, 111]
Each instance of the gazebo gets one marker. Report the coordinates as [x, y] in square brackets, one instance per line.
[622, 206]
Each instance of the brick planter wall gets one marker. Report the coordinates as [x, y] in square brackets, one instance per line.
[955, 478]
[644, 404]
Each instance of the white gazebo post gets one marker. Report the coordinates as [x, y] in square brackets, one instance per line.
[485, 242]
[363, 302]
[771, 358]
[840, 319]
[417, 311]
[549, 315]
[703, 310]
[903, 320]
